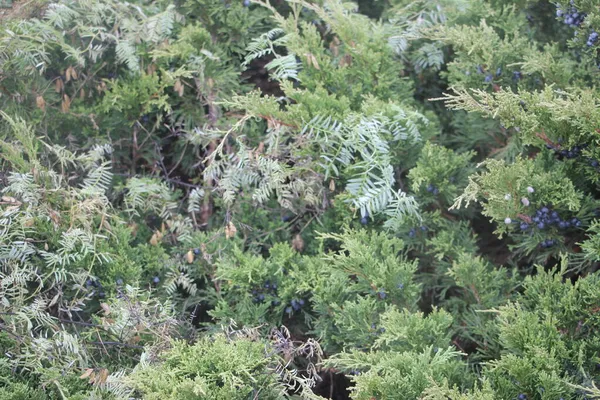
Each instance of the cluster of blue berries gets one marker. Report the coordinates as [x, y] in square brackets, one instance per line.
[267, 289]
[489, 77]
[413, 231]
[381, 293]
[295, 305]
[517, 75]
[96, 287]
[572, 153]
[569, 153]
[432, 189]
[571, 16]
[592, 39]
[377, 331]
[547, 243]
[545, 218]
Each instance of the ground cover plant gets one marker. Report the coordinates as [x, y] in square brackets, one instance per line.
[299, 199]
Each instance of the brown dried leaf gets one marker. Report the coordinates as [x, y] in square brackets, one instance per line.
[346, 60]
[331, 185]
[87, 373]
[178, 87]
[106, 308]
[230, 230]
[58, 85]
[312, 60]
[11, 200]
[66, 103]
[156, 238]
[298, 243]
[103, 376]
[40, 103]
[190, 257]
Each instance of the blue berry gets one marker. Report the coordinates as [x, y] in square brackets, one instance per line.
[594, 163]
[295, 305]
[562, 224]
[119, 282]
[430, 188]
[301, 302]
[400, 286]
[488, 78]
[436, 191]
[275, 302]
[524, 226]
[285, 218]
[364, 220]
[261, 297]
[499, 72]
[545, 210]
[196, 251]
[246, 3]
[412, 232]
[522, 396]
[288, 310]
[423, 228]
[156, 279]
[541, 225]
[593, 38]
[381, 294]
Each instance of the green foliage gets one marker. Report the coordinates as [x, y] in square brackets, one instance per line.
[238, 365]
[410, 185]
